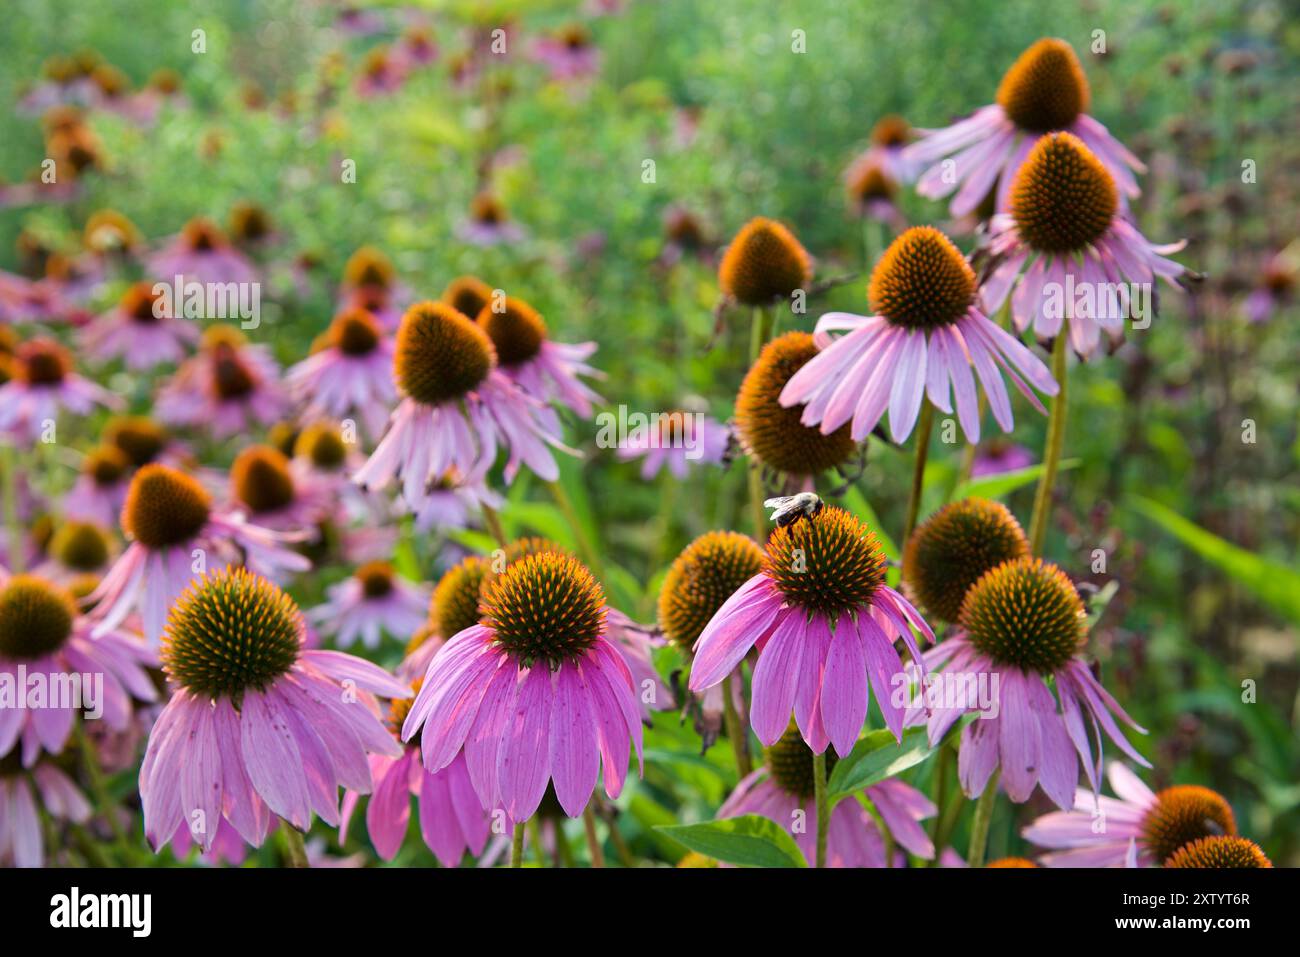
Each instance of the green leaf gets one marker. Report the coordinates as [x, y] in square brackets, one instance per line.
[1004, 483]
[877, 757]
[1272, 582]
[857, 503]
[750, 841]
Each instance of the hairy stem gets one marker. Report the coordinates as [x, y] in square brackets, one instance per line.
[923, 428]
[823, 806]
[979, 829]
[735, 731]
[1051, 452]
[517, 846]
[593, 842]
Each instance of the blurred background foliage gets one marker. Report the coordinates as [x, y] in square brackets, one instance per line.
[1186, 438]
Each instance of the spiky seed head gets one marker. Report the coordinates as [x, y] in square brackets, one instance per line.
[487, 209]
[1182, 814]
[1219, 853]
[81, 546]
[355, 332]
[203, 235]
[771, 432]
[440, 355]
[42, 362]
[517, 331]
[231, 632]
[321, 443]
[139, 437]
[1025, 613]
[763, 264]
[707, 572]
[36, 618]
[545, 609]
[106, 465]
[891, 130]
[164, 507]
[790, 762]
[249, 222]
[922, 281]
[467, 295]
[950, 550]
[107, 230]
[260, 478]
[376, 578]
[1045, 89]
[868, 181]
[369, 267]
[138, 303]
[827, 563]
[1063, 199]
[455, 602]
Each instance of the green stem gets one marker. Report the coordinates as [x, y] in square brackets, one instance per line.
[593, 842]
[295, 851]
[9, 478]
[517, 846]
[1052, 450]
[104, 802]
[923, 428]
[493, 522]
[667, 509]
[979, 829]
[823, 806]
[941, 767]
[585, 545]
[758, 334]
[735, 731]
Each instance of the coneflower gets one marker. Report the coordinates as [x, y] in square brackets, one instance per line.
[926, 330]
[351, 374]
[77, 549]
[489, 222]
[528, 357]
[141, 439]
[42, 385]
[173, 529]
[265, 488]
[1065, 234]
[370, 282]
[684, 439]
[24, 794]
[825, 623]
[258, 725]
[1024, 622]
[468, 295]
[953, 548]
[1044, 91]
[375, 600]
[100, 488]
[764, 264]
[43, 634]
[250, 225]
[136, 331]
[201, 253]
[230, 386]
[782, 790]
[1148, 826]
[457, 409]
[773, 433]
[1220, 852]
[568, 53]
[534, 693]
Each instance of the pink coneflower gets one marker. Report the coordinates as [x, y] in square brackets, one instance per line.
[1023, 622]
[227, 847]
[24, 791]
[271, 495]
[450, 502]
[997, 456]
[1140, 828]
[456, 408]
[373, 601]
[416, 47]
[43, 385]
[201, 253]
[381, 72]
[568, 53]
[680, 440]
[535, 692]
[350, 374]
[100, 490]
[636, 643]
[872, 191]
[489, 223]
[230, 386]
[370, 283]
[782, 791]
[258, 725]
[138, 331]
[926, 330]
[176, 534]
[452, 821]
[1072, 252]
[825, 624]
[543, 368]
[889, 138]
[78, 551]
[1044, 91]
[43, 636]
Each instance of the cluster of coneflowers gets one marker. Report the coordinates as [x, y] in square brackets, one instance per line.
[523, 693]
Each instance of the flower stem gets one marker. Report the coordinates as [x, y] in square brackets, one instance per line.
[735, 731]
[1051, 452]
[493, 522]
[758, 333]
[585, 545]
[593, 842]
[941, 768]
[9, 478]
[923, 428]
[979, 829]
[295, 851]
[104, 802]
[823, 806]
[517, 846]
